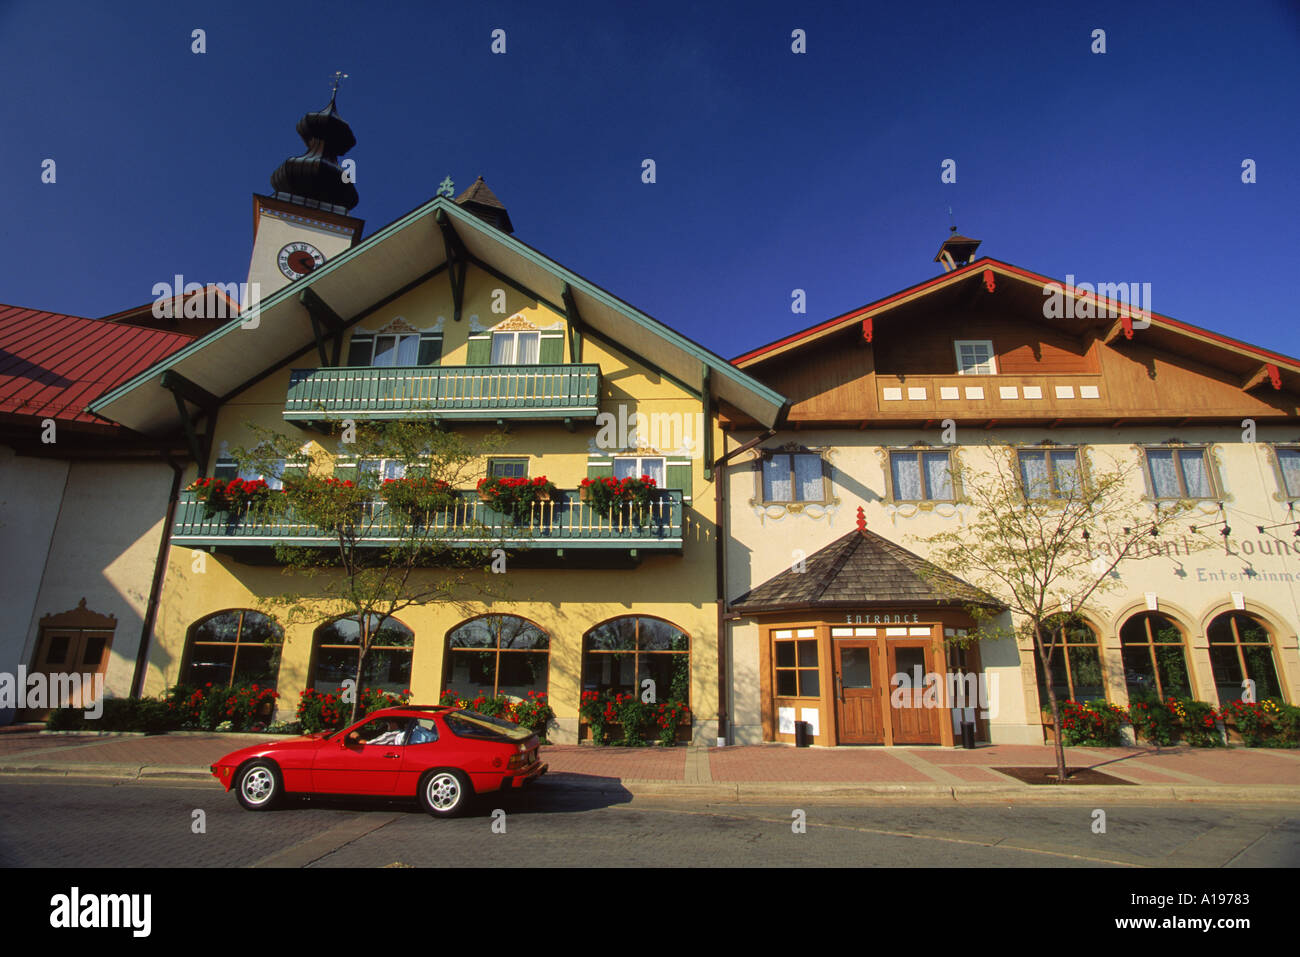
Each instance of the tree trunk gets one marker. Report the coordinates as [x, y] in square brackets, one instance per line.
[1046, 660]
[361, 665]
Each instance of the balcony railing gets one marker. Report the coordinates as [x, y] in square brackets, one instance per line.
[564, 522]
[443, 392]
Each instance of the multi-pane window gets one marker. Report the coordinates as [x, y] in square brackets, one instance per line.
[338, 652]
[794, 661]
[620, 654]
[921, 476]
[1075, 661]
[233, 647]
[383, 468]
[1049, 473]
[515, 348]
[507, 468]
[635, 466]
[1288, 463]
[1182, 473]
[975, 357]
[396, 350]
[793, 477]
[388, 350]
[1240, 648]
[1155, 662]
[496, 655]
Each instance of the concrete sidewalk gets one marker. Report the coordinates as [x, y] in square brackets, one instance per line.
[753, 773]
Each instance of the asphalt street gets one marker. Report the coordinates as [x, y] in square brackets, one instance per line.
[69, 822]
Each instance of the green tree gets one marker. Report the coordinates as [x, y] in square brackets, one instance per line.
[385, 542]
[1048, 549]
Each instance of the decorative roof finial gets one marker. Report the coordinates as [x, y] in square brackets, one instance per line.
[862, 520]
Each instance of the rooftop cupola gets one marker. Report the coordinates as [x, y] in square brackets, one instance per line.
[956, 251]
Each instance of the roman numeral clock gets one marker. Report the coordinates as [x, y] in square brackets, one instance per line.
[298, 259]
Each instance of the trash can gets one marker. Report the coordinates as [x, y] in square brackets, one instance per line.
[968, 729]
[801, 734]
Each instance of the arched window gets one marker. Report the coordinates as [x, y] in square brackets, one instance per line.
[495, 655]
[1076, 660]
[338, 650]
[619, 654]
[232, 648]
[1155, 662]
[1241, 647]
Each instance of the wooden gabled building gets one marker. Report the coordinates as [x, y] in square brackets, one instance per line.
[886, 399]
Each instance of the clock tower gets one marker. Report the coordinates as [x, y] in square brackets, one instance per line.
[304, 222]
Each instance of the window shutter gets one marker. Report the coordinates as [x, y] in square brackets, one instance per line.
[480, 351]
[597, 470]
[225, 469]
[551, 350]
[430, 350]
[359, 350]
[295, 470]
[345, 469]
[678, 477]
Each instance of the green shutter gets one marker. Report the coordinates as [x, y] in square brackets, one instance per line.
[295, 470]
[551, 351]
[430, 350]
[360, 348]
[679, 476]
[225, 469]
[480, 351]
[595, 471]
[345, 469]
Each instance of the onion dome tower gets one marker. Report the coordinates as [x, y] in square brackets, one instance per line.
[305, 222]
[315, 178]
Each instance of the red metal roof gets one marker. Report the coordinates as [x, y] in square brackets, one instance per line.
[52, 365]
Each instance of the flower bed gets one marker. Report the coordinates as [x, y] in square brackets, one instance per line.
[634, 720]
[515, 497]
[531, 712]
[330, 712]
[1092, 724]
[1266, 724]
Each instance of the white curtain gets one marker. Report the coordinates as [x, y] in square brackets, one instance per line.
[1195, 475]
[408, 351]
[938, 478]
[1066, 467]
[385, 351]
[628, 467]
[1290, 461]
[1164, 480]
[503, 349]
[776, 479]
[808, 477]
[907, 477]
[1033, 473]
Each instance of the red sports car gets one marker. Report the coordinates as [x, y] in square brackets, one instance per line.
[441, 755]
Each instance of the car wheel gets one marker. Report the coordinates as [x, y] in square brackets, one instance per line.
[258, 786]
[445, 793]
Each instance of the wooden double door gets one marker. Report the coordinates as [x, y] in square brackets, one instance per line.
[865, 674]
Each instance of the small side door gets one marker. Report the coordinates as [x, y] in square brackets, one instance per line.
[363, 760]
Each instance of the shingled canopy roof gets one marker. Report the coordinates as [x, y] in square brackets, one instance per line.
[858, 570]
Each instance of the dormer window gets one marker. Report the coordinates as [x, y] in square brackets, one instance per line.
[975, 357]
[515, 348]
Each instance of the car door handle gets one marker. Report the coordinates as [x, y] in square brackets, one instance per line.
[391, 754]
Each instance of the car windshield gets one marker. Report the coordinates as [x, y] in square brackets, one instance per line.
[469, 724]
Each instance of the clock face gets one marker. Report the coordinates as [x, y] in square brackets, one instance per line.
[298, 259]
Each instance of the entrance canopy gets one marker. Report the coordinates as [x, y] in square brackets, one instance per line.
[861, 569]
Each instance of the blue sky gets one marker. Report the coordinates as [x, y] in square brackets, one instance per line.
[775, 171]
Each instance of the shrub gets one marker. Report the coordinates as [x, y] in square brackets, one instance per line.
[532, 711]
[1153, 720]
[515, 496]
[638, 720]
[604, 494]
[1199, 721]
[329, 712]
[149, 715]
[1093, 724]
[1267, 724]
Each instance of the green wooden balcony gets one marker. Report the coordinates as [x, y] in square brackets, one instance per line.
[564, 523]
[464, 393]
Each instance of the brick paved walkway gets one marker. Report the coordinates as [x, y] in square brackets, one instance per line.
[773, 764]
